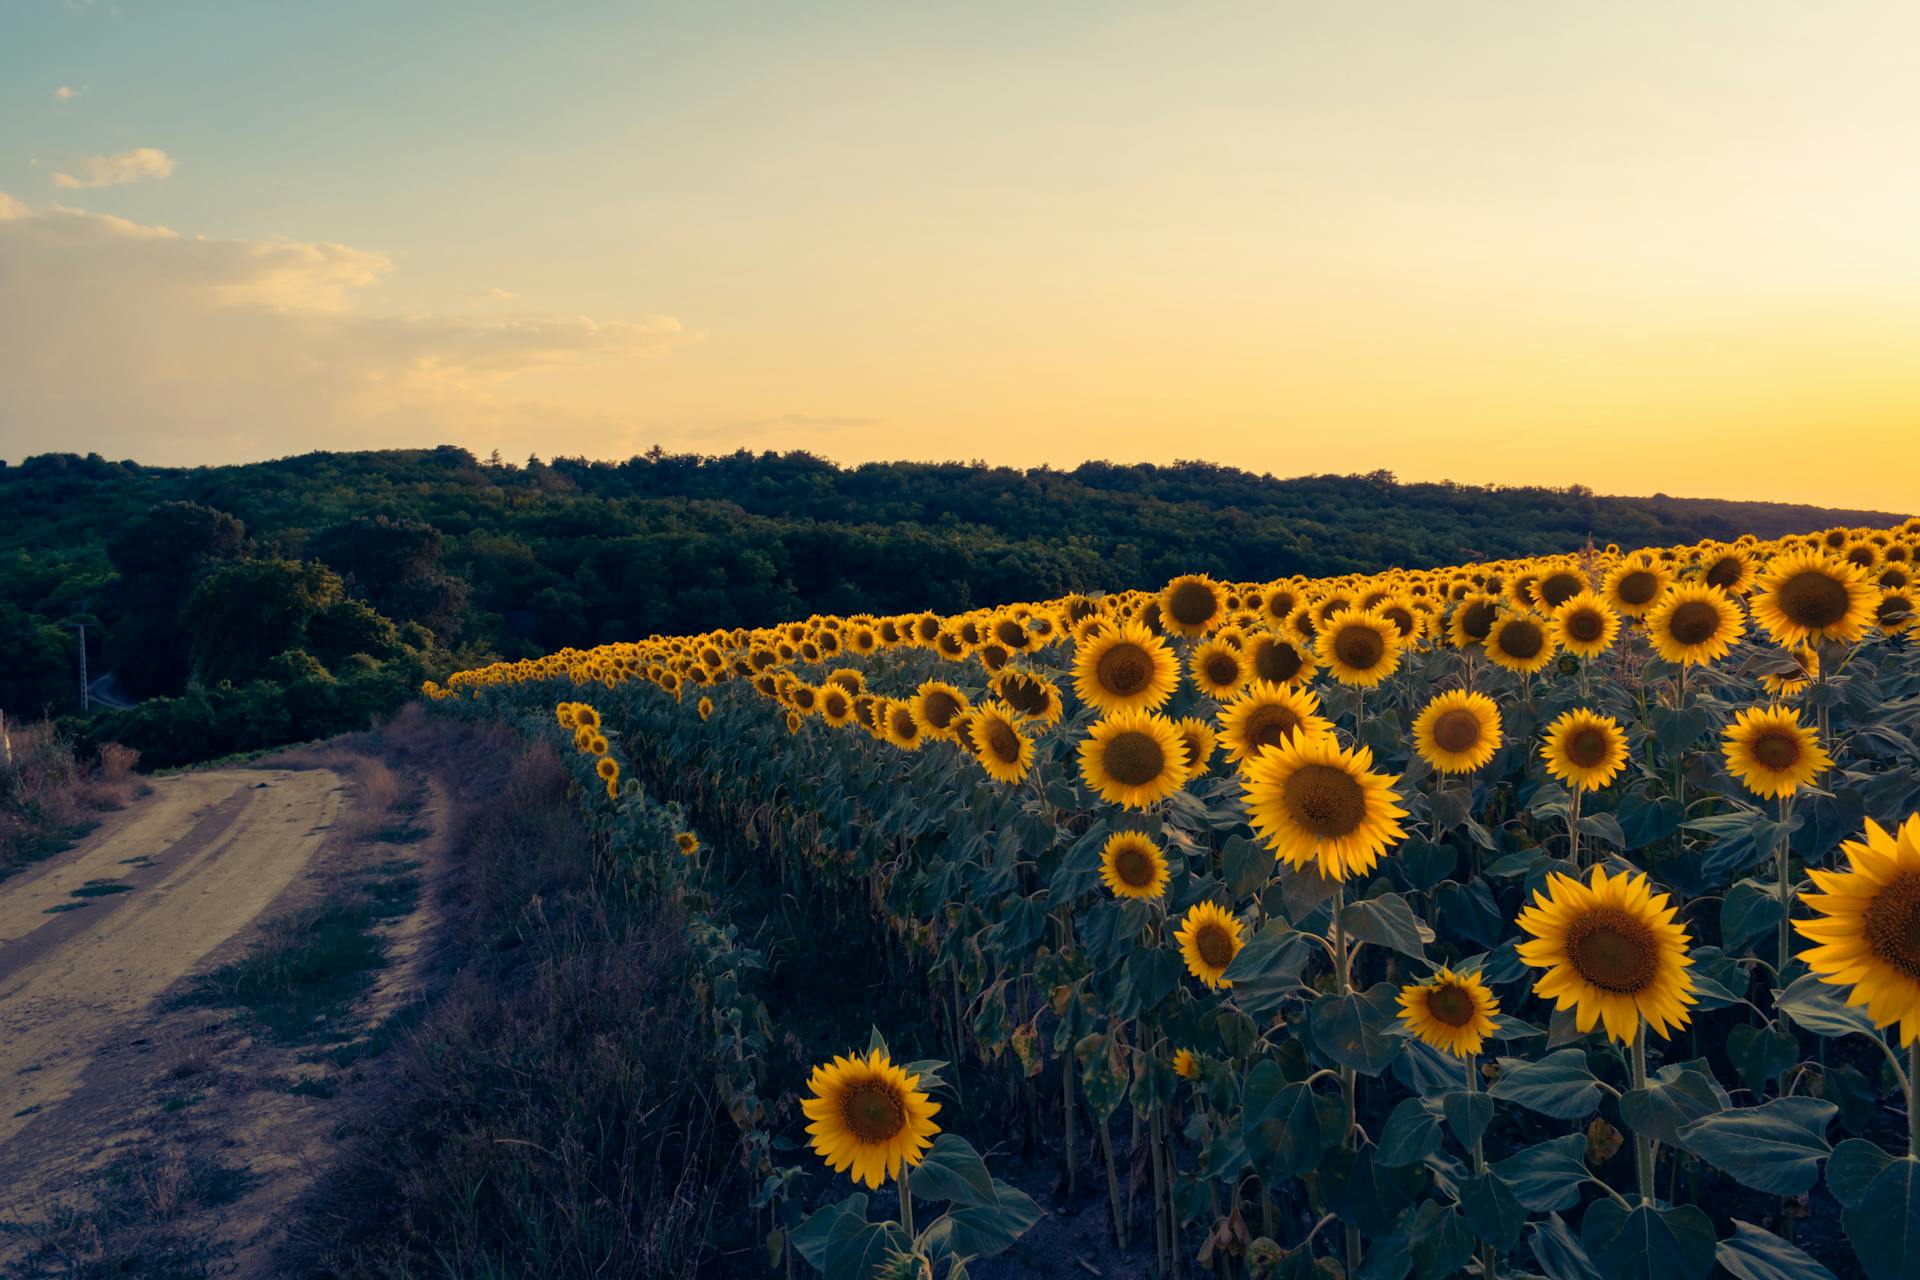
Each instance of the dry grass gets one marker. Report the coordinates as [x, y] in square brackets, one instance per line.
[50, 797]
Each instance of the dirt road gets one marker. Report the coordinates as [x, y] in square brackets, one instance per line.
[94, 936]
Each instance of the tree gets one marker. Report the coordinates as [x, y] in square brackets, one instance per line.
[243, 615]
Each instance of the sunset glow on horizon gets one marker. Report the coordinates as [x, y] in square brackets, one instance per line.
[1640, 247]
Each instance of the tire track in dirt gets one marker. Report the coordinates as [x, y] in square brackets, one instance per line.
[206, 856]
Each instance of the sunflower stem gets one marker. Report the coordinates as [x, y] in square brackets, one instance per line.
[1786, 893]
[1348, 1087]
[1472, 1065]
[906, 1207]
[1642, 1145]
[1573, 827]
[1913, 1111]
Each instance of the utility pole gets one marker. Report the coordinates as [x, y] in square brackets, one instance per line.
[80, 622]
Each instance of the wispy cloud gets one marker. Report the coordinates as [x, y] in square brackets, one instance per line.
[116, 170]
[137, 340]
[66, 93]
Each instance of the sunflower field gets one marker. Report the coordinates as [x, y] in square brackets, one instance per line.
[1551, 917]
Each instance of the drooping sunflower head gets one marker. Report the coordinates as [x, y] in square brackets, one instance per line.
[1209, 939]
[1786, 685]
[1133, 866]
[993, 735]
[1185, 1065]
[1197, 737]
[1584, 625]
[1359, 648]
[1612, 952]
[1772, 753]
[1192, 605]
[1457, 732]
[1634, 586]
[1867, 935]
[1316, 803]
[1217, 668]
[868, 1117]
[1585, 749]
[1804, 596]
[1133, 759]
[1266, 715]
[1277, 659]
[1521, 643]
[1694, 624]
[1451, 1011]
[1125, 668]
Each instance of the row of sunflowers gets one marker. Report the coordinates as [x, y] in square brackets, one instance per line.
[1557, 916]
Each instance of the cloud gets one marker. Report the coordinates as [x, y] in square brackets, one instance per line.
[65, 92]
[117, 170]
[138, 341]
[501, 295]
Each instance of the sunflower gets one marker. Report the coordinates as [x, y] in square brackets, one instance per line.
[1472, 619]
[1803, 596]
[1209, 939]
[1196, 735]
[1868, 936]
[868, 1116]
[687, 842]
[1133, 866]
[1772, 753]
[1316, 803]
[1185, 1065]
[1584, 626]
[993, 733]
[1277, 659]
[1693, 624]
[900, 726]
[1133, 759]
[705, 707]
[1451, 1011]
[1034, 697]
[1359, 648]
[1457, 732]
[607, 768]
[1127, 668]
[1217, 668]
[1612, 953]
[1632, 587]
[1521, 643]
[1192, 605]
[1728, 570]
[934, 705]
[1265, 715]
[1555, 587]
[1585, 749]
[1785, 686]
[836, 707]
[1896, 613]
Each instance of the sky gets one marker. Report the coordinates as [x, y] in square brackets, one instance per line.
[1643, 246]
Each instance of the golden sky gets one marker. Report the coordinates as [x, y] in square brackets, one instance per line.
[1644, 247]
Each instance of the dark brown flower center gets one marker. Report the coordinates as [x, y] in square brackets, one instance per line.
[1027, 695]
[1450, 1004]
[1457, 730]
[834, 703]
[1133, 865]
[1125, 669]
[904, 725]
[1694, 622]
[1521, 638]
[1276, 660]
[873, 1112]
[1557, 588]
[1134, 758]
[1585, 625]
[1776, 749]
[1893, 923]
[1270, 724]
[1192, 603]
[1359, 647]
[1221, 668]
[1324, 800]
[1214, 944]
[1194, 751]
[939, 707]
[1724, 572]
[1002, 741]
[1011, 632]
[1639, 586]
[1587, 746]
[1477, 619]
[1613, 950]
[1813, 599]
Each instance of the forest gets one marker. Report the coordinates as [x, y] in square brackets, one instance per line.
[245, 606]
